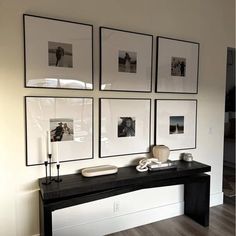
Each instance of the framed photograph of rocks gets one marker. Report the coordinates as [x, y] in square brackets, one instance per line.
[124, 126]
[63, 125]
[57, 53]
[177, 66]
[176, 123]
[125, 60]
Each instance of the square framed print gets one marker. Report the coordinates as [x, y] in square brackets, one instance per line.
[176, 123]
[125, 60]
[124, 126]
[177, 66]
[58, 53]
[64, 123]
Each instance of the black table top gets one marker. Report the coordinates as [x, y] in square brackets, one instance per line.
[76, 184]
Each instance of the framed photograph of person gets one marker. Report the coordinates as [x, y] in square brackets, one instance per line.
[177, 66]
[124, 126]
[57, 53]
[125, 60]
[63, 125]
[176, 123]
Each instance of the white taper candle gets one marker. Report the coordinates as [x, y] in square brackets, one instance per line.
[57, 152]
[49, 142]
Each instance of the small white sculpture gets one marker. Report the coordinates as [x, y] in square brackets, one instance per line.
[161, 152]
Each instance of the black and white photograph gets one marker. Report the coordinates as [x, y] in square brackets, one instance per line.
[127, 61]
[60, 54]
[126, 127]
[178, 66]
[176, 124]
[57, 53]
[61, 130]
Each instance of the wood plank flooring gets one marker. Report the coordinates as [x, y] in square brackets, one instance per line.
[222, 223]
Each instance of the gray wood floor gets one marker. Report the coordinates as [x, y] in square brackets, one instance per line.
[222, 223]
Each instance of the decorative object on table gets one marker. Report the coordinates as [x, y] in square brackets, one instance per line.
[124, 126]
[49, 149]
[161, 152]
[99, 170]
[58, 179]
[153, 164]
[58, 53]
[162, 166]
[177, 66]
[125, 60]
[50, 166]
[47, 180]
[175, 123]
[143, 164]
[186, 156]
[65, 124]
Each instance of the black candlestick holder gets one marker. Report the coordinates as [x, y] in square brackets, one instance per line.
[47, 180]
[58, 179]
[50, 166]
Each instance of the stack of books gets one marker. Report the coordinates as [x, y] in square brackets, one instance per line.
[162, 166]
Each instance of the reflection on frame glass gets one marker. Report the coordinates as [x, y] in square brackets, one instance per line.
[175, 123]
[66, 124]
[124, 126]
[125, 60]
[63, 55]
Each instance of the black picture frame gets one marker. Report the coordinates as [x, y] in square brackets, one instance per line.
[163, 123]
[157, 78]
[26, 129]
[100, 127]
[25, 52]
[149, 90]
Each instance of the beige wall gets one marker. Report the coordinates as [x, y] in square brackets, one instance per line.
[210, 22]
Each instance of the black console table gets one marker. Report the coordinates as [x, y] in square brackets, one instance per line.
[76, 189]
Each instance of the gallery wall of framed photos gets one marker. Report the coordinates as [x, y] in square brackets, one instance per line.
[194, 22]
[112, 115]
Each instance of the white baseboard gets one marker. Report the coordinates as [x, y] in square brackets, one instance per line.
[216, 199]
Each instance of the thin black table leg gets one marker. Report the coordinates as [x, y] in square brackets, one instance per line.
[197, 200]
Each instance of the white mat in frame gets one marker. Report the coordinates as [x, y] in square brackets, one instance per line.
[124, 126]
[177, 66]
[125, 60]
[176, 123]
[63, 57]
[45, 114]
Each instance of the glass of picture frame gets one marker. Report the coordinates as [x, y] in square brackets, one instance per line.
[124, 126]
[68, 121]
[177, 66]
[57, 53]
[176, 123]
[125, 60]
